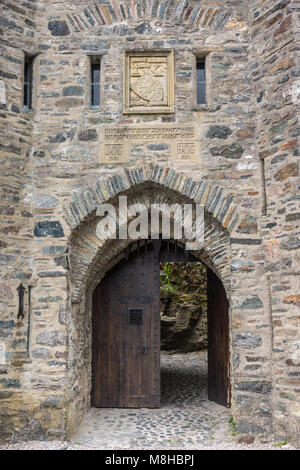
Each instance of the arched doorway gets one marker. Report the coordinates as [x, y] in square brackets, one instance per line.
[126, 331]
[223, 252]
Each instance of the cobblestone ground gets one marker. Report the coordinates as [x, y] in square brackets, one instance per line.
[186, 419]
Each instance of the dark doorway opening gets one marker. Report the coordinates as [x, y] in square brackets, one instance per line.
[126, 330]
[183, 311]
[183, 306]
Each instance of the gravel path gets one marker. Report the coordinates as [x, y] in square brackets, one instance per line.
[185, 421]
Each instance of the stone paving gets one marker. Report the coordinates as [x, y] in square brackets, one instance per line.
[186, 418]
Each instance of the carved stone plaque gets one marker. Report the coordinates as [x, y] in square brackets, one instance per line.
[148, 82]
[177, 142]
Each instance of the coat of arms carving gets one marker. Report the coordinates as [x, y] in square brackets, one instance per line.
[149, 82]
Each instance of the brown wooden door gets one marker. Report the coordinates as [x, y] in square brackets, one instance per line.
[126, 334]
[218, 341]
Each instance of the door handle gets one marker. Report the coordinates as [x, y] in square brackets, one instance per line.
[144, 349]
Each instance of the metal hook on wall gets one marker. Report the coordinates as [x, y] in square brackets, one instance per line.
[21, 291]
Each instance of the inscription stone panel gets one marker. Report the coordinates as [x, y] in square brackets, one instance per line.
[176, 141]
[148, 82]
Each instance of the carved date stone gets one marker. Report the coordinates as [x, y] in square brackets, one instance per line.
[181, 140]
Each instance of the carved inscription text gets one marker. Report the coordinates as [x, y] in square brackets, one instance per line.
[149, 133]
[176, 141]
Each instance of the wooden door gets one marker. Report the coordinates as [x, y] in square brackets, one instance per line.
[126, 334]
[218, 341]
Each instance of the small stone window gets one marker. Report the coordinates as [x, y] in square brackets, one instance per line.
[28, 82]
[201, 82]
[95, 82]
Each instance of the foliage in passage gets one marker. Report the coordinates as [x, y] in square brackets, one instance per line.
[185, 282]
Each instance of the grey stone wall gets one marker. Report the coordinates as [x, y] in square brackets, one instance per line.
[274, 62]
[17, 34]
[53, 181]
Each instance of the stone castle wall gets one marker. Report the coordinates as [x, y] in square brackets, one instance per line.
[274, 60]
[18, 34]
[54, 176]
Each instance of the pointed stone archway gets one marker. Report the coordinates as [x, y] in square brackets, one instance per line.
[147, 184]
[92, 257]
